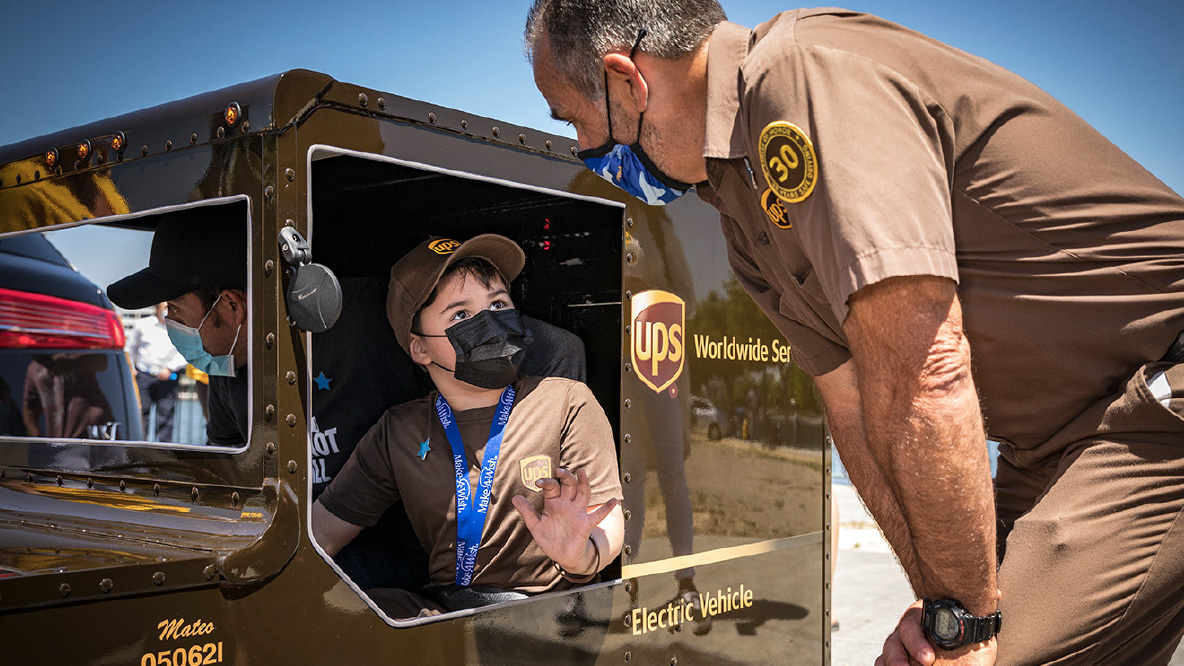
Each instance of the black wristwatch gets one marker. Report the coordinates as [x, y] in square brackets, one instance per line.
[949, 625]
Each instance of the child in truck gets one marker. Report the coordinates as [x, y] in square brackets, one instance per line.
[510, 482]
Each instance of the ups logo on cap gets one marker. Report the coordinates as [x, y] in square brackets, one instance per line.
[533, 469]
[444, 246]
[659, 338]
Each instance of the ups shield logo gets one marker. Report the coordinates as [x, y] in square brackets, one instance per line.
[533, 469]
[659, 338]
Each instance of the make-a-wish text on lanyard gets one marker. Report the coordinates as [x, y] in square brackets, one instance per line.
[470, 511]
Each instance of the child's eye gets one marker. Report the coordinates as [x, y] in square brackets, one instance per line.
[498, 305]
[460, 314]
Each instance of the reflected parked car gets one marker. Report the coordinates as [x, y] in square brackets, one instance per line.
[63, 371]
[707, 419]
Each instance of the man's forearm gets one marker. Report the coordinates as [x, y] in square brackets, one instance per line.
[933, 455]
[844, 418]
[924, 429]
[881, 502]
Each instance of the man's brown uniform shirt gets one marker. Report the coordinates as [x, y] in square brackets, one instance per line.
[843, 150]
[555, 423]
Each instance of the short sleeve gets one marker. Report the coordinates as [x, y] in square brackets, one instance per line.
[588, 444]
[880, 205]
[365, 487]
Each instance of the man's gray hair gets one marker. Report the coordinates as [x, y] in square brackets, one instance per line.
[582, 32]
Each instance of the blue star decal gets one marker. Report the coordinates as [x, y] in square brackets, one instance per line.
[322, 382]
[424, 447]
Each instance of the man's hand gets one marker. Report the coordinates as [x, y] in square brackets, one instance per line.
[563, 527]
[907, 646]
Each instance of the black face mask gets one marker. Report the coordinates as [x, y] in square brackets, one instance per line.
[489, 346]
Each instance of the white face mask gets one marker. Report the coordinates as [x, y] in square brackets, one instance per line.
[188, 342]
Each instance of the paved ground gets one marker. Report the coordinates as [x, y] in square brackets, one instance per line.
[870, 591]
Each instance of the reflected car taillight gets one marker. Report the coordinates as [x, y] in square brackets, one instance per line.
[37, 321]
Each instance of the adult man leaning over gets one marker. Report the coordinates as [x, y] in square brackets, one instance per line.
[894, 204]
[198, 265]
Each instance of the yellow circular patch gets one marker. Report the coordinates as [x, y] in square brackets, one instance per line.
[788, 161]
[775, 210]
[444, 246]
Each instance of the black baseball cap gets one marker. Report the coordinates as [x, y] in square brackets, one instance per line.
[194, 247]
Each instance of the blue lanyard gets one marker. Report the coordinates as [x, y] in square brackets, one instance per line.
[470, 515]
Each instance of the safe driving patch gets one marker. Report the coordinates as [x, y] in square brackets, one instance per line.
[788, 161]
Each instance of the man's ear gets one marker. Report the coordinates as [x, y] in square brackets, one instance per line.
[626, 84]
[233, 307]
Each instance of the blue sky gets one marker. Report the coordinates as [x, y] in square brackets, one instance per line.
[68, 63]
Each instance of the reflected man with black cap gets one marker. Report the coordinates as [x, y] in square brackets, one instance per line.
[198, 265]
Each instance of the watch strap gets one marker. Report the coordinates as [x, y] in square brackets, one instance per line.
[979, 629]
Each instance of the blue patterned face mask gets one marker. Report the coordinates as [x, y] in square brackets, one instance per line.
[628, 167]
[187, 340]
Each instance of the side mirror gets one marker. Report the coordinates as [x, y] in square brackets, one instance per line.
[313, 294]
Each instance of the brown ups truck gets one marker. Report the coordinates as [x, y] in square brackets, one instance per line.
[118, 550]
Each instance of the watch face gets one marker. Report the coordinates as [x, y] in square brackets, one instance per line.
[945, 625]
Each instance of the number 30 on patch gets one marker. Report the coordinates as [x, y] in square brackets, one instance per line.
[788, 161]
